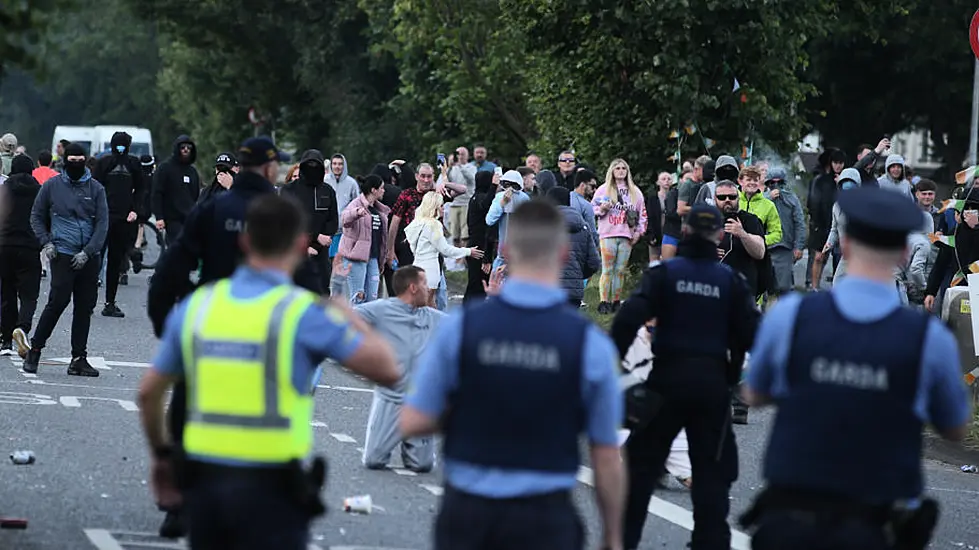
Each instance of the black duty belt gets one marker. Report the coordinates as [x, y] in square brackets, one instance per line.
[822, 506]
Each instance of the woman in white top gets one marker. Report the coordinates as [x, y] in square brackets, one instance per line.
[426, 237]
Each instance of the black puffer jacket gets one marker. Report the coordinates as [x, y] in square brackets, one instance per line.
[19, 192]
[583, 260]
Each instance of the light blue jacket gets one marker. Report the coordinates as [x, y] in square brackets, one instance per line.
[497, 214]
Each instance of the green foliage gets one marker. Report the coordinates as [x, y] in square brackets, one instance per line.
[385, 79]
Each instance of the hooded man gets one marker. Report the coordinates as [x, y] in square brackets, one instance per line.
[8, 148]
[509, 197]
[320, 202]
[20, 264]
[820, 201]
[176, 187]
[122, 176]
[346, 189]
[849, 179]
[583, 260]
[71, 219]
[787, 251]
[893, 178]
[726, 168]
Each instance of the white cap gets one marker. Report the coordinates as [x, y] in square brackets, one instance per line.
[512, 176]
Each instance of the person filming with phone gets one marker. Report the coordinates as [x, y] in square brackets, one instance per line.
[742, 245]
[511, 196]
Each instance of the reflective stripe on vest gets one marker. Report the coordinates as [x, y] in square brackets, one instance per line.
[241, 403]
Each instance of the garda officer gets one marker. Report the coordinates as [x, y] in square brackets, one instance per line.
[248, 347]
[855, 376]
[209, 242]
[510, 470]
[705, 321]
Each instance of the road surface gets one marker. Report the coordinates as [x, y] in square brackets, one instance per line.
[88, 489]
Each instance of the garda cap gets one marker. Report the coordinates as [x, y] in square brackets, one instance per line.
[880, 218]
[704, 217]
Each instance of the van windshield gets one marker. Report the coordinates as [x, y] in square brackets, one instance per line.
[135, 149]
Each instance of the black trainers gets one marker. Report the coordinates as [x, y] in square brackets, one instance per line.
[112, 310]
[79, 367]
[136, 257]
[6, 348]
[173, 525]
[124, 279]
[32, 360]
[22, 343]
[740, 416]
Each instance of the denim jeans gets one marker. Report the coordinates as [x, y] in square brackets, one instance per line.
[363, 280]
[442, 295]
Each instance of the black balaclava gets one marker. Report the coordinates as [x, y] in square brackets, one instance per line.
[484, 182]
[22, 164]
[120, 143]
[75, 170]
[312, 172]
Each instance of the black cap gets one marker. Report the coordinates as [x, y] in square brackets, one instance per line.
[880, 218]
[257, 151]
[74, 150]
[704, 217]
[226, 159]
[147, 160]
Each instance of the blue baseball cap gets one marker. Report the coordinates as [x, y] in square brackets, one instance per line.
[259, 150]
[704, 217]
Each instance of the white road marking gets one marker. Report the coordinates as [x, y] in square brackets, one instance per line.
[102, 539]
[317, 424]
[345, 388]
[434, 489]
[128, 364]
[75, 401]
[44, 383]
[343, 438]
[403, 472]
[672, 513]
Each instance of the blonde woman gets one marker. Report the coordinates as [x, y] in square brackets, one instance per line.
[426, 237]
[621, 214]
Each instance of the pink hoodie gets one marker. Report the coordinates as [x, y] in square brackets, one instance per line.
[613, 224]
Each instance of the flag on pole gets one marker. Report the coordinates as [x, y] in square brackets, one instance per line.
[947, 240]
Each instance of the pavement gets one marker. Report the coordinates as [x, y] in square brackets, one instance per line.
[88, 488]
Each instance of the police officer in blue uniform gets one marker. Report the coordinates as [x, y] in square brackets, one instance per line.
[209, 242]
[855, 376]
[512, 382]
[705, 321]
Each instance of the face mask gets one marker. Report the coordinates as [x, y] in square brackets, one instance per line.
[120, 149]
[75, 169]
[848, 185]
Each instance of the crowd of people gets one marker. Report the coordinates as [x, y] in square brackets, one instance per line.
[247, 261]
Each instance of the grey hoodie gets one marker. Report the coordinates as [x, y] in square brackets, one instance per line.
[900, 185]
[706, 193]
[345, 186]
[790, 212]
[408, 330]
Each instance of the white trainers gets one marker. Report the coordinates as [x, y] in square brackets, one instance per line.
[22, 343]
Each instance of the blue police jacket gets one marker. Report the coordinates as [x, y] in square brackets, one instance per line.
[855, 376]
[503, 348]
[433, 392]
[695, 315]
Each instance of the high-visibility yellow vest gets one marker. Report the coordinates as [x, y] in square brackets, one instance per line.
[238, 357]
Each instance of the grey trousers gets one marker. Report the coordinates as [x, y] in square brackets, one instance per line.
[783, 263]
[383, 436]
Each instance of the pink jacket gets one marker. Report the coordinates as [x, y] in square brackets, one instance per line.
[355, 244]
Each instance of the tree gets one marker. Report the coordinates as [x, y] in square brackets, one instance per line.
[905, 64]
[100, 69]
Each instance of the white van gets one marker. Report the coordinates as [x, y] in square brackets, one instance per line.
[142, 140]
[82, 135]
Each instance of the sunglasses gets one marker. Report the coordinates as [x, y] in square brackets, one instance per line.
[565, 160]
[727, 197]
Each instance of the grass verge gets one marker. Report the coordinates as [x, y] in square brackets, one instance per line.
[972, 439]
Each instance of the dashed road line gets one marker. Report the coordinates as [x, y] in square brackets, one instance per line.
[343, 438]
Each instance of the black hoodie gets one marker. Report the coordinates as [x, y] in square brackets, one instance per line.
[176, 184]
[19, 191]
[317, 197]
[122, 176]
